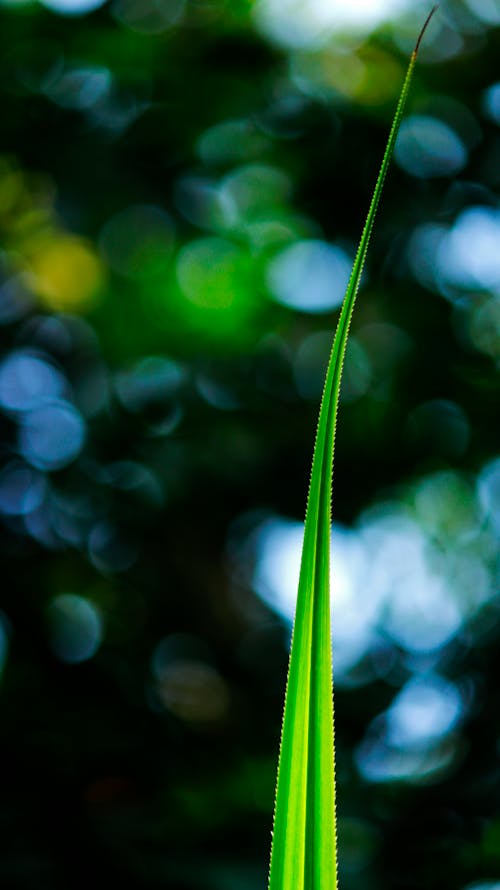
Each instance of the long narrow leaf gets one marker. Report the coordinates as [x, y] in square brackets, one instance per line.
[303, 855]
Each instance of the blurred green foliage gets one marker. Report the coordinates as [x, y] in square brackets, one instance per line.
[182, 186]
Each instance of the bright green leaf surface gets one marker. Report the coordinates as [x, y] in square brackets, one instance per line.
[304, 855]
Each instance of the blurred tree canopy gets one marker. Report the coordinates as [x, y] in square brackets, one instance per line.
[182, 187]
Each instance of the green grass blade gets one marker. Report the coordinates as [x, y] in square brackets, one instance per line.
[303, 855]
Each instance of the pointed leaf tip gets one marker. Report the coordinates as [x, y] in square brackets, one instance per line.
[424, 29]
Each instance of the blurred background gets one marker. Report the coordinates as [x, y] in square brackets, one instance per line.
[182, 187]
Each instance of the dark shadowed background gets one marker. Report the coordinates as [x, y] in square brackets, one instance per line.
[182, 186]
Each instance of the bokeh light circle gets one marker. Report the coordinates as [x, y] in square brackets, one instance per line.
[72, 7]
[52, 435]
[75, 628]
